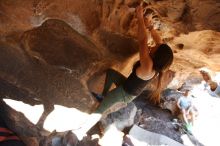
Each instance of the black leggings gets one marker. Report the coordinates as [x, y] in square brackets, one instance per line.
[117, 95]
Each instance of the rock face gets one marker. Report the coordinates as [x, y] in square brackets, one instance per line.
[56, 51]
[122, 119]
[156, 120]
[50, 71]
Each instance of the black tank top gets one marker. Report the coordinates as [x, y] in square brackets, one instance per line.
[133, 84]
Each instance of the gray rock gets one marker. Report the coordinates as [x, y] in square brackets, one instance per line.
[122, 118]
[170, 98]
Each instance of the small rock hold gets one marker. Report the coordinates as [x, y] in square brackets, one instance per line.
[180, 46]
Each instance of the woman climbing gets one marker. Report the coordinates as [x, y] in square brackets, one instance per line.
[153, 61]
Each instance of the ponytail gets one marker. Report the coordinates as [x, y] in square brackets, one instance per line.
[155, 96]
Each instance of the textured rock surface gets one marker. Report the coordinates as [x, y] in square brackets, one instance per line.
[44, 59]
[107, 23]
[170, 98]
[121, 119]
[47, 65]
[149, 138]
[156, 120]
[13, 117]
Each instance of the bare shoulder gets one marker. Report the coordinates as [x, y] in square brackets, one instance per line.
[145, 74]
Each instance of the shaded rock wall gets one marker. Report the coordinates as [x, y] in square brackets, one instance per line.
[55, 51]
[22, 15]
[110, 24]
[56, 47]
[46, 64]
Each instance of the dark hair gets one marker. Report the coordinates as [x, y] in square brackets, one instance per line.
[162, 59]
